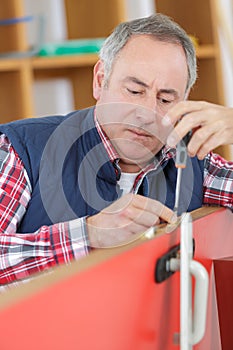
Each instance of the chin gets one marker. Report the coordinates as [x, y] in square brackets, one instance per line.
[137, 158]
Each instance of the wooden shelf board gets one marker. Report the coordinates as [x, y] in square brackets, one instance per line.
[64, 61]
[11, 64]
[206, 51]
[49, 62]
[56, 62]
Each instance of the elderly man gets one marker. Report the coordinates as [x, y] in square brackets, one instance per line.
[102, 176]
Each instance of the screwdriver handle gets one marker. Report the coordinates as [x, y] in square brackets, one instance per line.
[181, 155]
[181, 151]
[187, 138]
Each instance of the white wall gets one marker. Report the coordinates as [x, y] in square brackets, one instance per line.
[51, 96]
[226, 43]
[54, 13]
[139, 8]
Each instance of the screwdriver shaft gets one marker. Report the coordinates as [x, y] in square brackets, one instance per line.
[177, 194]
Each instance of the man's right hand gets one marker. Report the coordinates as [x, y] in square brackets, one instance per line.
[125, 219]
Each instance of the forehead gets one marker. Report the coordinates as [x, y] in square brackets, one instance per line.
[152, 59]
[142, 45]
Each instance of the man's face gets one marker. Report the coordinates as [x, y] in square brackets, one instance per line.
[148, 77]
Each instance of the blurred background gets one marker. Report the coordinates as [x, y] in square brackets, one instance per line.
[46, 67]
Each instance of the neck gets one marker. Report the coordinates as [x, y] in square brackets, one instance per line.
[127, 167]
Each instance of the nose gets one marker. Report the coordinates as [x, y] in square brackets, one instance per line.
[149, 112]
[145, 115]
[150, 106]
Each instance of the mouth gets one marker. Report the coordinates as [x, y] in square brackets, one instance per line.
[139, 132]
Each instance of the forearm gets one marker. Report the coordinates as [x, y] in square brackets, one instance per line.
[23, 255]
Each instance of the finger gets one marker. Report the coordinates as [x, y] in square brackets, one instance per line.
[203, 139]
[168, 215]
[182, 108]
[188, 123]
[115, 236]
[213, 142]
[142, 217]
[156, 208]
[193, 121]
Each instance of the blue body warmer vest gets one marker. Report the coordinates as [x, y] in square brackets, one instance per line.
[71, 175]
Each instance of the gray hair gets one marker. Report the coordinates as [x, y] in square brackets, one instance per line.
[162, 28]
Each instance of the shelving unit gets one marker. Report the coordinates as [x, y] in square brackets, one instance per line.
[17, 75]
[198, 18]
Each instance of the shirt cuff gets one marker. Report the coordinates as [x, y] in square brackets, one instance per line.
[79, 237]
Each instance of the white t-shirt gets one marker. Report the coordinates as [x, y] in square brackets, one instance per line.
[126, 182]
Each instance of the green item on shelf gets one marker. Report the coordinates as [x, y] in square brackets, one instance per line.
[72, 47]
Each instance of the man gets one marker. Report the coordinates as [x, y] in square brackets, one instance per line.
[102, 176]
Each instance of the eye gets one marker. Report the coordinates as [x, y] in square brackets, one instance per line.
[134, 92]
[165, 101]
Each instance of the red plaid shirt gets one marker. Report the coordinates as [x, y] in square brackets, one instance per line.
[24, 254]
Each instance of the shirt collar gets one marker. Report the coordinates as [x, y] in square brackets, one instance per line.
[112, 153]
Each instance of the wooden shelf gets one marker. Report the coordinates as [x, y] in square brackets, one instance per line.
[9, 65]
[198, 18]
[48, 62]
[64, 61]
[206, 51]
[18, 75]
[56, 62]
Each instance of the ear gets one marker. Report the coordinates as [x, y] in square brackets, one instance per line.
[98, 79]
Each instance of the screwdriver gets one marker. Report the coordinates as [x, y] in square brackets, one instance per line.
[180, 163]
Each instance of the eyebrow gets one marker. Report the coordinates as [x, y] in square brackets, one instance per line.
[136, 81]
[142, 83]
[169, 91]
